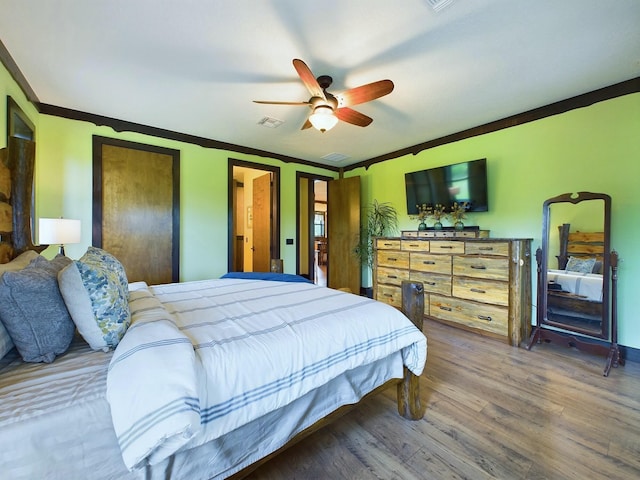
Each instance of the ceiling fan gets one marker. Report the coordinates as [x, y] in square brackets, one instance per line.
[326, 108]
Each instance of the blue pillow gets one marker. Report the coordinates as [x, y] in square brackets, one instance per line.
[275, 277]
[33, 310]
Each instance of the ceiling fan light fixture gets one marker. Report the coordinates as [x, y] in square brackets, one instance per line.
[323, 118]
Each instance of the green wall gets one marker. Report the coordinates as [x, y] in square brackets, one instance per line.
[63, 186]
[596, 148]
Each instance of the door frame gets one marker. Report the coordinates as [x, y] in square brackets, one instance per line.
[275, 206]
[311, 177]
[96, 228]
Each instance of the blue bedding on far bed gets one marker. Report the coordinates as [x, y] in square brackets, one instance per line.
[275, 277]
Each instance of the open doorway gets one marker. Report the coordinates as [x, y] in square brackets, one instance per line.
[312, 227]
[254, 225]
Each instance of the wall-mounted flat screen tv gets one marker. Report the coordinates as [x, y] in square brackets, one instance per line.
[461, 182]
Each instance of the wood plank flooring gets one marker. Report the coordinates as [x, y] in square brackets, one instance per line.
[493, 412]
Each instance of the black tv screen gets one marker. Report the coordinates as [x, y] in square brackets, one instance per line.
[461, 182]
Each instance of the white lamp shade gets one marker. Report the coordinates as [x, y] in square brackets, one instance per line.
[58, 231]
[323, 118]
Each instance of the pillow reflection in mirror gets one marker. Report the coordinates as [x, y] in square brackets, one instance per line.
[581, 265]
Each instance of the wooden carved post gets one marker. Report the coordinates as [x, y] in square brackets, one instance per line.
[277, 265]
[409, 389]
[21, 162]
[563, 234]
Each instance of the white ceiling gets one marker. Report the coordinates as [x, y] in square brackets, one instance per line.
[194, 66]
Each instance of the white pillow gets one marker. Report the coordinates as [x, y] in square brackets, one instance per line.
[19, 262]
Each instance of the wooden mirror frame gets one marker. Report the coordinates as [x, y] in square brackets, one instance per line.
[585, 339]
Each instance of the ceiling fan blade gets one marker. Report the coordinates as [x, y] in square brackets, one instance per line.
[267, 102]
[307, 77]
[353, 117]
[364, 93]
[306, 125]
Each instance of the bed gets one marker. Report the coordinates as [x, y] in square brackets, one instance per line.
[183, 381]
[575, 289]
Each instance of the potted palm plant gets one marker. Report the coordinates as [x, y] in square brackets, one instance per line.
[380, 219]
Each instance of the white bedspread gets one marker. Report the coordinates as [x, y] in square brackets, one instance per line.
[588, 285]
[203, 358]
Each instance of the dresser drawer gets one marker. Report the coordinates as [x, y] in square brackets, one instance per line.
[487, 248]
[425, 262]
[486, 291]
[415, 245]
[391, 276]
[433, 283]
[389, 294]
[393, 258]
[466, 234]
[494, 268]
[386, 244]
[490, 318]
[445, 246]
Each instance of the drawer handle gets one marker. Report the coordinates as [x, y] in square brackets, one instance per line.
[445, 246]
[388, 295]
[485, 317]
[391, 276]
[391, 259]
[446, 309]
[479, 267]
[478, 290]
[486, 248]
[430, 283]
[414, 245]
[387, 244]
[429, 262]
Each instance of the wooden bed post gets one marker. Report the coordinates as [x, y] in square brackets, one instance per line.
[409, 388]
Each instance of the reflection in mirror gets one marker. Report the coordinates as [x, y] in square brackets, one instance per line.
[575, 265]
[577, 276]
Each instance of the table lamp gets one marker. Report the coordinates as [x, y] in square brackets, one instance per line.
[58, 231]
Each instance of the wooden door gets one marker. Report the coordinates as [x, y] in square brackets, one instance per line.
[343, 226]
[262, 223]
[136, 208]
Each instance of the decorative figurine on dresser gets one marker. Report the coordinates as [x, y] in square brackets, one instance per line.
[470, 281]
[577, 289]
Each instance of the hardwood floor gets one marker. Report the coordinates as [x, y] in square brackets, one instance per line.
[493, 412]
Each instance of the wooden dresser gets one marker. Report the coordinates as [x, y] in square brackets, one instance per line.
[480, 284]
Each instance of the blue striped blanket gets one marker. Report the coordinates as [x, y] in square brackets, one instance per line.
[201, 359]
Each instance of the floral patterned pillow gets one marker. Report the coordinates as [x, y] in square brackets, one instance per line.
[96, 292]
[580, 265]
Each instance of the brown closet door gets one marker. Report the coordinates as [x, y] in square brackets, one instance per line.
[262, 223]
[137, 220]
[343, 226]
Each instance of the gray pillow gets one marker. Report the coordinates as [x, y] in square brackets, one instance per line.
[18, 263]
[33, 311]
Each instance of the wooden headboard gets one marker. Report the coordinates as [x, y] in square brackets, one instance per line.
[579, 244]
[17, 163]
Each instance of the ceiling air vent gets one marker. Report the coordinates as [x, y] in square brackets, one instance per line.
[335, 157]
[438, 5]
[270, 122]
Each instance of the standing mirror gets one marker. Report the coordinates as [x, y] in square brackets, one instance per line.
[577, 276]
